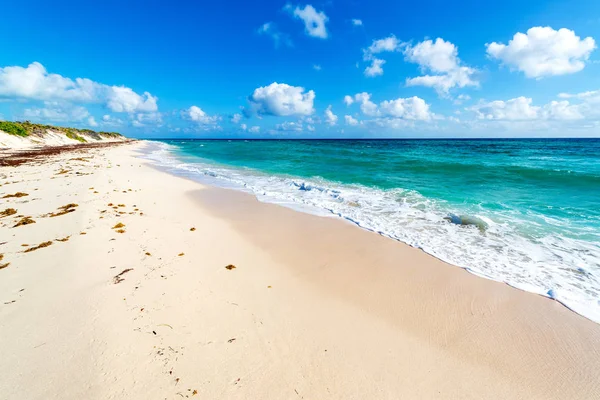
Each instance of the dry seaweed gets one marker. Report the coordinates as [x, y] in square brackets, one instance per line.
[69, 208]
[7, 212]
[120, 231]
[119, 278]
[192, 229]
[63, 171]
[39, 246]
[119, 225]
[1, 256]
[2, 266]
[180, 254]
[18, 194]
[230, 267]
[64, 239]
[148, 254]
[24, 221]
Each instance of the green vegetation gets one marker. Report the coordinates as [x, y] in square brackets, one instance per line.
[72, 135]
[13, 128]
[27, 128]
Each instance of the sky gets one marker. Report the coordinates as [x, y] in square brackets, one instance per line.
[317, 69]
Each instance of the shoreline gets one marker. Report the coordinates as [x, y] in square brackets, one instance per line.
[221, 179]
[315, 308]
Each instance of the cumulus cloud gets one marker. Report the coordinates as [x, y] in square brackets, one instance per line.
[357, 22]
[124, 99]
[522, 109]
[279, 38]
[236, 118]
[350, 120]
[543, 51]
[411, 108]
[316, 67]
[375, 69]
[348, 100]
[196, 114]
[440, 58]
[281, 99]
[92, 122]
[330, 117]
[35, 83]
[289, 127]
[254, 129]
[56, 112]
[314, 21]
[366, 105]
[591, 96]
[388, 44]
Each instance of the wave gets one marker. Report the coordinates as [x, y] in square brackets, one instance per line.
[501, 245]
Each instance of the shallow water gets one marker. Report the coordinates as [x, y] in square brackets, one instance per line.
[525, 212]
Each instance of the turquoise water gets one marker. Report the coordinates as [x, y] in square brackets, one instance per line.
[525, 212]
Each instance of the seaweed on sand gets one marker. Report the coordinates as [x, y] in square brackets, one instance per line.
[39, 246]
[119, 225]
[119, 277]
[18, 194]
[69, 208]
[24, 221]
[7, 212]
[230, 267]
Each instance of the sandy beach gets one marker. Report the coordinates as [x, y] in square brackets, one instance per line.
[146, 285]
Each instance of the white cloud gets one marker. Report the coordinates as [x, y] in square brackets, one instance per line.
[330, 117]
[461, 98]
[53, 111]
[92, 122]
[314, 21]
[441, 58]
[411, 108]
[140, 120]
[543, 51]
[279, 38]
[254, 129]
[310, 128]
[388, 44]
[124, 99]
[350, 120]
[357, 22]
[375, 68]
[316, 67]
[236, 118]
[592, 96]
[289, 127]
[522, 109]
[243, 127]
[198, 115]
[348, 100]
[366, 105]
[281, 99]
[35, 83]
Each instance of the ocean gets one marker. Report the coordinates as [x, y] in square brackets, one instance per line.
[524, 212]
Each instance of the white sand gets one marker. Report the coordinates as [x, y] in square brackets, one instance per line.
[315, 308]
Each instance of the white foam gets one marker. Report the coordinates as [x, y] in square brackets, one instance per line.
[561, 268]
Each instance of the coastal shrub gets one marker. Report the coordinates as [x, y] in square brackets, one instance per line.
[72, 135]
[13, 128]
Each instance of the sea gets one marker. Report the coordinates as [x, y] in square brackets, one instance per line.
[521, 211]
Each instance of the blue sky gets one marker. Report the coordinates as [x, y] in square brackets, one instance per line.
[296, 69]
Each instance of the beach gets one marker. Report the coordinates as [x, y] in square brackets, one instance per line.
[157, 286]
